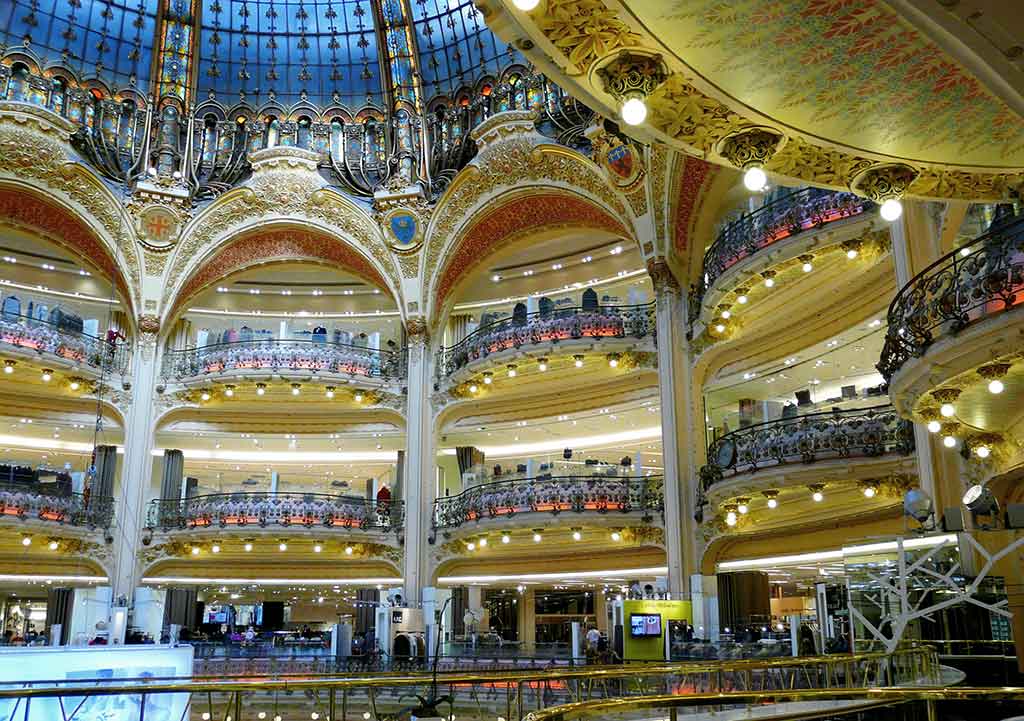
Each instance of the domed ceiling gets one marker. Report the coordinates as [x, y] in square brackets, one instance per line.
[329, 52]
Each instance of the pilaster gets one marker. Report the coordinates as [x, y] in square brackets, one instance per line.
[674, 383]
[419, 458]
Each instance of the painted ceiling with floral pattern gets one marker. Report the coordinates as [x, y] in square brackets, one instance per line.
[848, 71]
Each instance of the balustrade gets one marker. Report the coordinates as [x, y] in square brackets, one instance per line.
[973, 282]
[284, 355]
[554, 495]
[307, 510]
[783, 218]
[605, 321]
[73, 509]
[857, 432]
[208, 151]
[71, 345]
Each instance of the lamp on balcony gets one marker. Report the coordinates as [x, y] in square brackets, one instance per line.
[47, 375]
[629, 78]
[261, 389]
[749, 150]
[993, 373]
[9, 366]
[817, 492]
[772, 496]
[885, 184]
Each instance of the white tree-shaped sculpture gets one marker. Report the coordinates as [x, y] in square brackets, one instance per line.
[901, 597]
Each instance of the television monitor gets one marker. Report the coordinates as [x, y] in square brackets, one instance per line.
[645, 624]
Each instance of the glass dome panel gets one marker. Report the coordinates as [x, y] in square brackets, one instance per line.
[327, 48]
[108, 39]
[455, 45]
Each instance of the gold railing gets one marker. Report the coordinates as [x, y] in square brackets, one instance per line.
[508, 694]
[860, 700]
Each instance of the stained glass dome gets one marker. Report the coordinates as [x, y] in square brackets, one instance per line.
[329, 52]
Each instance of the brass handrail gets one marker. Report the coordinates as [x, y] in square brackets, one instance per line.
[879, 696]
[923, 654]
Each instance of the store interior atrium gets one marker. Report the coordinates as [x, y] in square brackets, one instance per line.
[514, 360]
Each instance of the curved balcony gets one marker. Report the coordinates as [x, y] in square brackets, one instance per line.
[790, 215]
[64, 343]
[275, 510]
[854, 433]
[71, 509]
[595, 322]
[259, 357]
[597, 495]
[976, 281]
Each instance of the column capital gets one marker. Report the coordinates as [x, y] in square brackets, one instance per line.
[417, 331]
[662, 277]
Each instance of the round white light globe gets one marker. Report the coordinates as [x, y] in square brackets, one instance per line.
[730, 519]
[869, 492]
[755, 179]
[769, 282]
[634, 111]
[995, 386]
[526, 5]
[982, 451]
[949, 441]
[891, 209]
[772, 503]
[934, 426]
[818, 496]
[947, 410]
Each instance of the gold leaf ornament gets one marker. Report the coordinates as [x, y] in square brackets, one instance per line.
[584, 30]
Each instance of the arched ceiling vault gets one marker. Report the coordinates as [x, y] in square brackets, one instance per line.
[848, 85]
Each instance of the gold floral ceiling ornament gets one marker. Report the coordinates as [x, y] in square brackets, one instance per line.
[885, 184]
[584, 30]
[630, 77]
[750, 150]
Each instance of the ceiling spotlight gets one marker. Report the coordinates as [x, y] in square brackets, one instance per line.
[742, 299]
[949, 441]
[511, 368]
[726, 314]
[542, 364]
[471, 546]
[495, 277]
[349, 550]
[54, 545]
[755, 179]
[229, 391]
[261, 388]
[473, 388]
[488, 378]
[730, 518]
[742, 505]
[634, 110]
[870, 490]
[482, 542]
[807, 265]
[576, 535]
[947, 410]
[26, 540]
[9, 366]
[891, 210]
[934, 426]
[613, 360]
[995, 386]
[851, 253]
[817, 492]
[282, 546]
[982, 451]
[719, 328]
[616, 536]
[47, 375]
[578, 361]
[205, 395]
[505, 538]
[248, 547]
[329, 392]
[769, 278]
[195, 550]
[296, 389]
[536, 536]
[771, 495]
[358, 397]
[317, 548]
[75, 385]
[526, 5]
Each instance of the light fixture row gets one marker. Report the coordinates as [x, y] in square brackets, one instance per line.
[248, 546]
[615, 534]
[261, 389]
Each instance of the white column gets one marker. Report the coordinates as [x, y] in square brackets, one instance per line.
[674, 387]
[136, 472]
[419, 460]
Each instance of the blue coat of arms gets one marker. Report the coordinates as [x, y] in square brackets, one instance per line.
[403, 227]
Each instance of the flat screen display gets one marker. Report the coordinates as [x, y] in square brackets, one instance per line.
[645, 624]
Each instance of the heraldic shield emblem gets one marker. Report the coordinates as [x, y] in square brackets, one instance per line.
[620, 161]
[405, 229]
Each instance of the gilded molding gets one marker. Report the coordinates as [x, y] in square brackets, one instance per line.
[584, 30]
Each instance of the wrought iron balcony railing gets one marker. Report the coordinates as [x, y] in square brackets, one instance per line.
[553, 495]
[284, 355]
[284, 510]
[857, 432]
[977, 280]
[207, 152]
[44, 336]
[605, 321]
[72, 509]
[789, 215]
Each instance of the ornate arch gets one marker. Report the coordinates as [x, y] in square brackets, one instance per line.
[285, 242]
[25, 208]
[512, 217]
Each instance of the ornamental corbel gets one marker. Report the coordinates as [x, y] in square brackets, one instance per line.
[751, 148]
